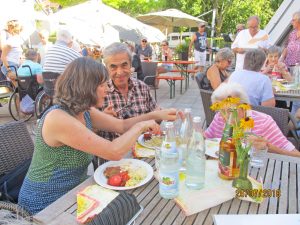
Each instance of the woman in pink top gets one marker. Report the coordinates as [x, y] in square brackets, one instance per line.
[265, 128]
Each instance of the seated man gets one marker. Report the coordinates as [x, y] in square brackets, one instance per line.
[265, 128]
[257, 85]
[31, 61]
[126, 97]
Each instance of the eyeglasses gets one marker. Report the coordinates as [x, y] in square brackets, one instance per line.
[144, 41]
[202, 26]
[163, 45]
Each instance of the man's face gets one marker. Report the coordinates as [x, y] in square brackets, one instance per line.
[253, 26]
[143, 43]
[119, 66]
[201, 28]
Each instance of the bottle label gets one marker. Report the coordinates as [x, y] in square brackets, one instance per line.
[169, 181]
[169, 147]
[227, 163]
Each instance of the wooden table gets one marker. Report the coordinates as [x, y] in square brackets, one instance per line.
[281, 172]
[291, 95]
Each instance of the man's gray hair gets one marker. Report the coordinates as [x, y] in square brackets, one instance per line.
[64, 35]
[229, 89]
[274, 49]
[254, 60]
[224, 54]
[255, 18]
[297, 15]
[116, 48]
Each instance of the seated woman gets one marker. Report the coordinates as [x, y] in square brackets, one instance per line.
[265, 128]
[65, 142]
[31, 60]
[166, 55]
[216, 74]
[274, 68]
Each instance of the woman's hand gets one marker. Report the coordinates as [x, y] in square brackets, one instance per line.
[166, 114]
[258, 142]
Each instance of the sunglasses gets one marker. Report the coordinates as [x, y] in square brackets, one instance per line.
[202, 26]
[144, 41]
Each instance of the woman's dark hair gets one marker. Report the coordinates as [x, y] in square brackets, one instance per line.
[76, 88]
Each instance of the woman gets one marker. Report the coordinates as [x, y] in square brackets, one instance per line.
[65, 142]
[216, 74]
[265, 128]
[273, 68]
[291, 53]
[12, 51]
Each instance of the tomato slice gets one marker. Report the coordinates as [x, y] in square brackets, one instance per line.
[115, 180]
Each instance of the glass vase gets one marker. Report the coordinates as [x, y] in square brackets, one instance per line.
[242, 181]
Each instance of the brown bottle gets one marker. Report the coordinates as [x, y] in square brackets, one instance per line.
[228, 168]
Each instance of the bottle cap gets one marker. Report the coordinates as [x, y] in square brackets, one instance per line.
[197, 119]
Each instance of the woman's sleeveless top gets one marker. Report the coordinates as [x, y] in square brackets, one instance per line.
[205, 82]
[53, 171]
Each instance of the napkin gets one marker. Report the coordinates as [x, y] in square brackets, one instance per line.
[92, 200]
[215, 192]
[140, 151]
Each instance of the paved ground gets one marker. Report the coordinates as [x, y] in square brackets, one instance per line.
[190, 99]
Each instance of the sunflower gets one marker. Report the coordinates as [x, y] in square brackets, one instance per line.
[244, 106]
[247, 123]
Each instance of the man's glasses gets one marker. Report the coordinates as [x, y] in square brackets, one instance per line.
[163, 45]
[144, 41]
[202, 26]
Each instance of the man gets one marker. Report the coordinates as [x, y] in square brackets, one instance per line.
[60, 54]
[252, 37]
[144, 50]
[257, 85]
[200, 42]
[126, 97]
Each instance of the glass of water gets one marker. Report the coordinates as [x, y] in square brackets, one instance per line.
[258, 156]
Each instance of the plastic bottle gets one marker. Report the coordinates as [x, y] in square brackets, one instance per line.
[195, 164]
[169, 165]
[185, 135]
[296, 74]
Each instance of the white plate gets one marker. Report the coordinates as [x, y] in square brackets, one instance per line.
[134, 163]
[141, 141]
[212, 147]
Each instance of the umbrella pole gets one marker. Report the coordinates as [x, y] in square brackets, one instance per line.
[212, 34]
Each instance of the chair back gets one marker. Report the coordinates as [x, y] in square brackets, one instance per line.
[279, 115]
[16, 145]
[149, 71]
[206, 101]
[49, 82]
[28, 85]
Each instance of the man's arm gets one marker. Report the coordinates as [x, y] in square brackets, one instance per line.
[191, 44]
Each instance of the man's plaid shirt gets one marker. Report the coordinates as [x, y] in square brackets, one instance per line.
[139, 102]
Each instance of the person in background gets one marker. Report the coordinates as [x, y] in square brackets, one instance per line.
[43, 45]
[144, 50]
[253, 37]
[60, 54]
[265, 128]
[239, 27]
[200, 43]
[257, 85]
[216, 74]
[76, 46]
[12, 50]
[273, 68]
[136, 61]
[126, 97]
[4, 34]
[166, 55]
[65, 141]
[31, 60]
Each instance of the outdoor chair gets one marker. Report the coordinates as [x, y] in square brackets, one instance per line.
[149, 71]
[206, 102]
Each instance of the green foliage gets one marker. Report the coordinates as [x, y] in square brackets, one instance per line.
[65, 3]
[183, 46]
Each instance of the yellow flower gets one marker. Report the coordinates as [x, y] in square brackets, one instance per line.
[216, 106]
[244, 106]
[232, 100]
[246, 123]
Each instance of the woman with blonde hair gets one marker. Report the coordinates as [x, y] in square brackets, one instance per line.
[12, 50]
[65, 142]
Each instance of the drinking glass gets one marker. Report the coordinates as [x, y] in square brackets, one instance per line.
[258, 156]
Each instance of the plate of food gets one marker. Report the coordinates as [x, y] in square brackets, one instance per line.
[124, 174]
[212, 147]
[150, 141]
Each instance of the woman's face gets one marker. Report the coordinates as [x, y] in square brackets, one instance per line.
[296, 23]
[224, 64]
[101, 93]
[273, 58]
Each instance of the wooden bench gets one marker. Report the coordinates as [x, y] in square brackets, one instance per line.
[186, 74]
[171, 82]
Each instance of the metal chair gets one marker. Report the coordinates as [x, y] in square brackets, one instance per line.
[16, 145]
[149, 71]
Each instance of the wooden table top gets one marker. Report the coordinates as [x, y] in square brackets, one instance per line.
[281, 172]
[291, 95]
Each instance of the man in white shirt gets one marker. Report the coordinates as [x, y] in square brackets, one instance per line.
[249, 38]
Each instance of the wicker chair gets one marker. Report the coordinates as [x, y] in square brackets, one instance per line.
[18, 210]
[206, 101]
[16, 145]
[149, 71]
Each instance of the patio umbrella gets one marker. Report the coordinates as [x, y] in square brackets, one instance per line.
[170, 17]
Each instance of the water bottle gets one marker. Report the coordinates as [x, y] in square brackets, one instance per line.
[195, 164]
[296, 74]
[185, 135]
[169, 165]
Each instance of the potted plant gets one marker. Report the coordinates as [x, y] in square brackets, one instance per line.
[182, 50]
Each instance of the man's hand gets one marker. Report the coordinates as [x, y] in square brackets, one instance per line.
[110, 111]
